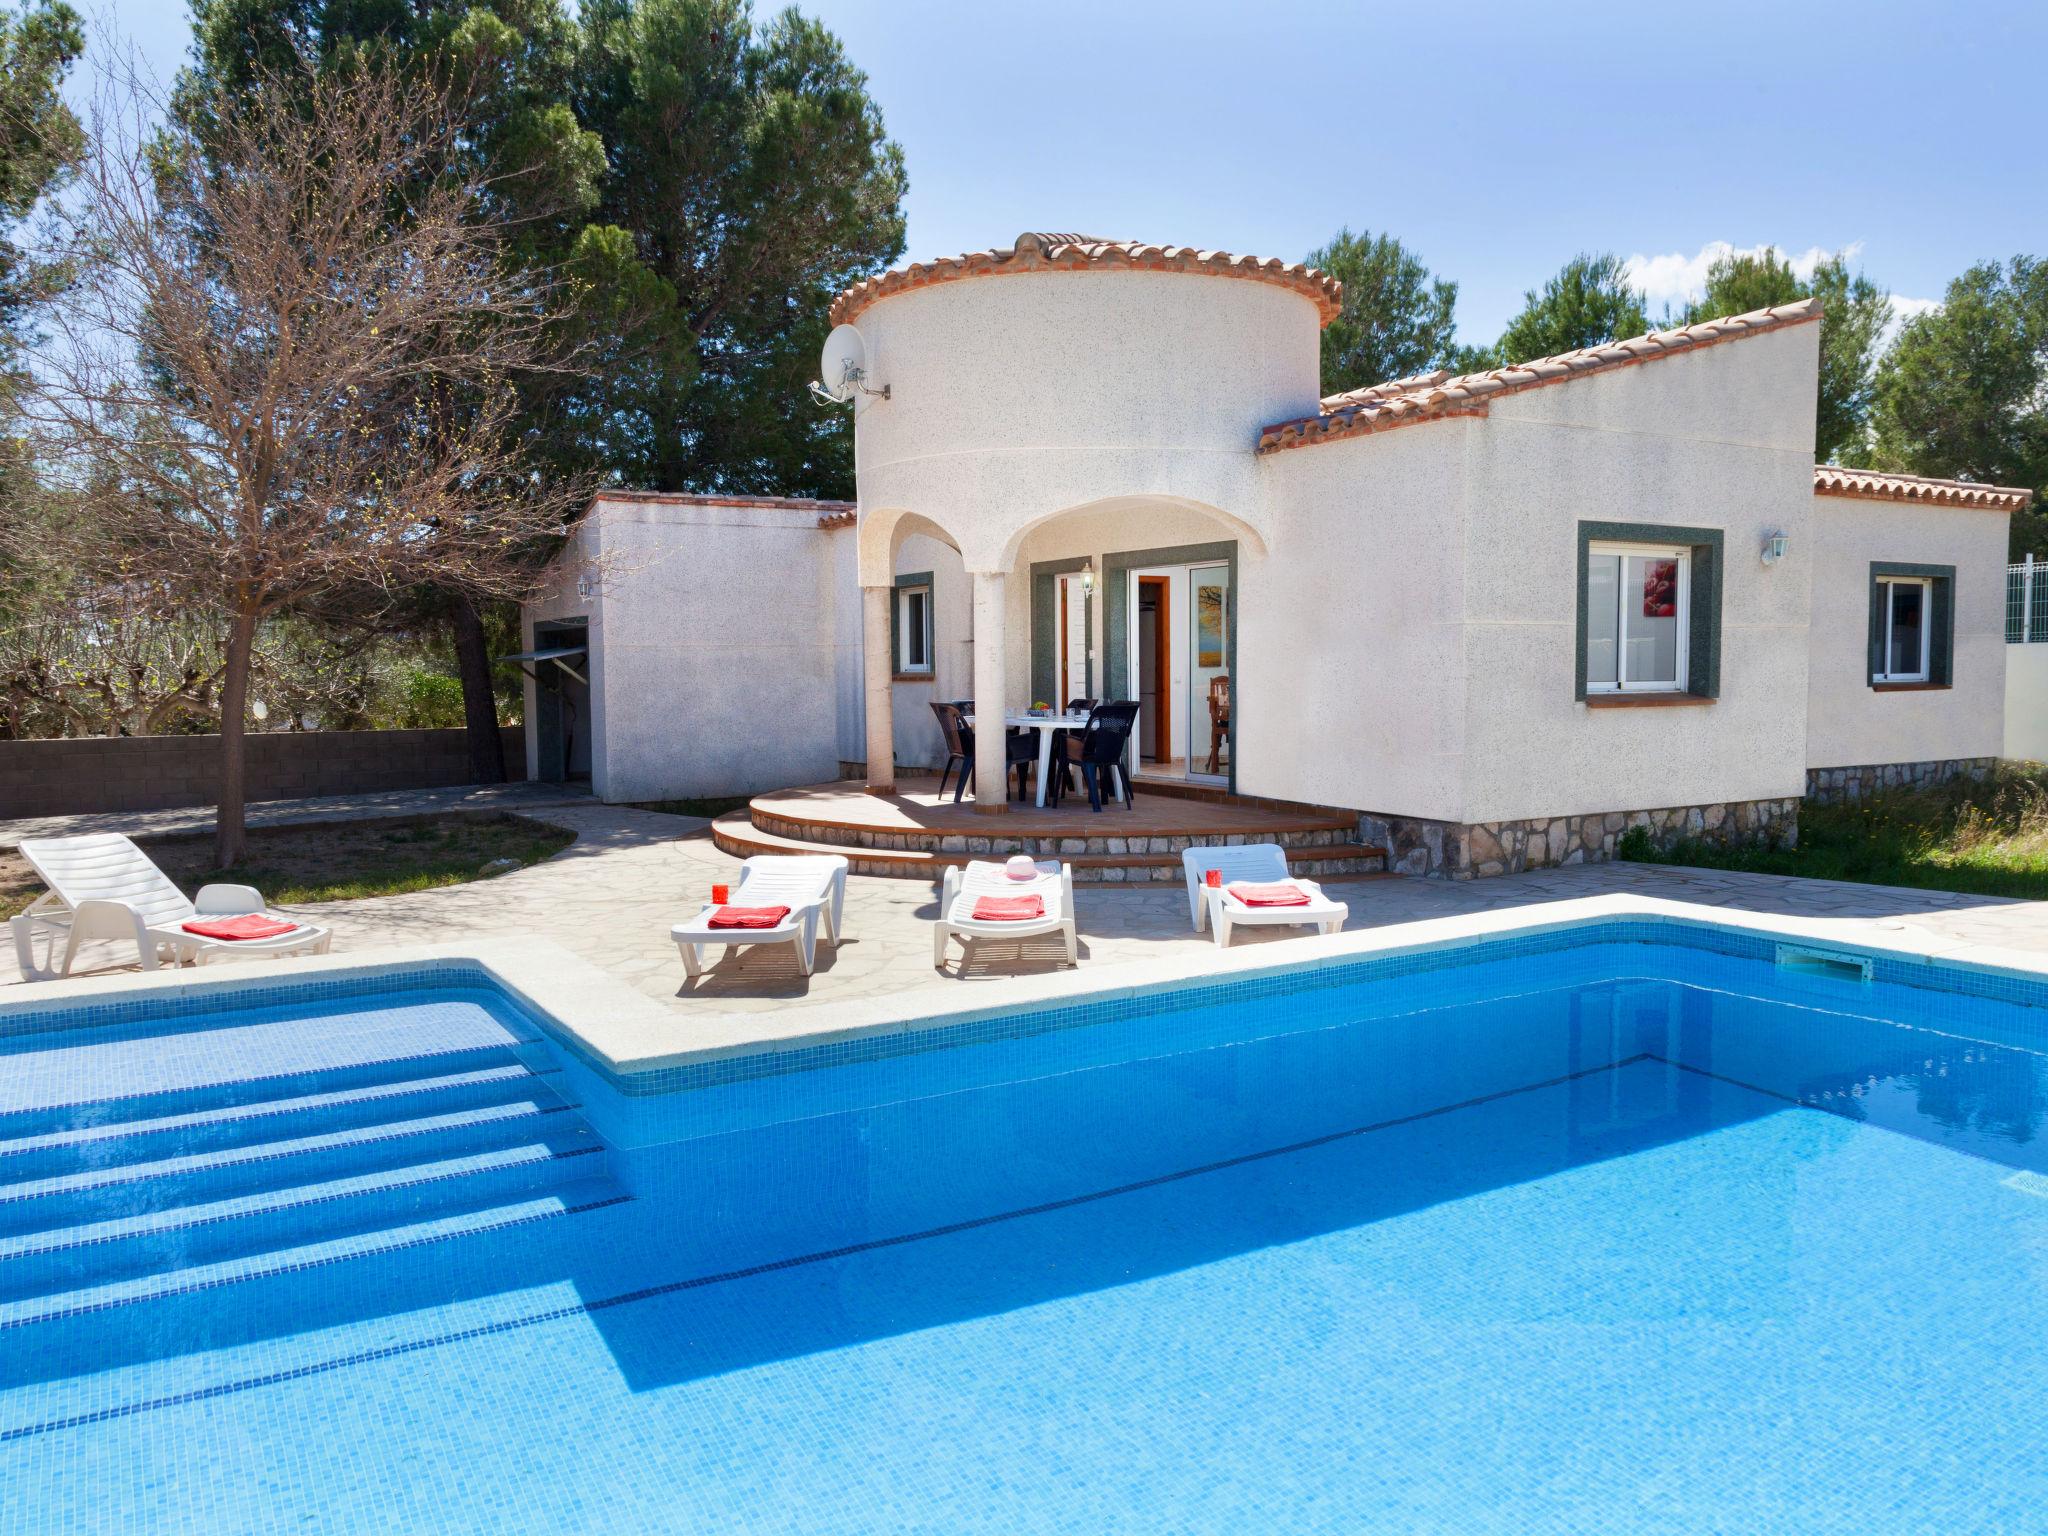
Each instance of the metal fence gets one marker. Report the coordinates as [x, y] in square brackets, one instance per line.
[2026, 602]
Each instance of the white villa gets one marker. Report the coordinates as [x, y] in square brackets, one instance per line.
[1495, 619]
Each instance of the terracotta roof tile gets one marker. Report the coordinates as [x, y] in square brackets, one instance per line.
[1085, 253]
[1434, 396]
[1875, 485]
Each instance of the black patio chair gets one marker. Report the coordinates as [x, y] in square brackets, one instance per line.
[1020, 751]
[1060, 739]
[959, 746]
[1103, 748]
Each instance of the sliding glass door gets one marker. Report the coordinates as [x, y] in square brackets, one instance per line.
[1207, 711]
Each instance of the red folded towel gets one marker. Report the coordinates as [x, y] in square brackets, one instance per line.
[252, 925]
[1007, 909]
[1282, 893]
[749, 917]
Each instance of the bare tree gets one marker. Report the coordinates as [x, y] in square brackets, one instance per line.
[289, 359]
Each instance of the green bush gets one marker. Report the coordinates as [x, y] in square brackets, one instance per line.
[430, 701]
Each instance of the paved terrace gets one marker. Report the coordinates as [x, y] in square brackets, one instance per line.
[611, 896]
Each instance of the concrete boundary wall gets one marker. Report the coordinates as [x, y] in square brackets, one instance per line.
[2026, 702]
[154, 773]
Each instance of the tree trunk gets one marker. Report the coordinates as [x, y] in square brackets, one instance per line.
[479, 699]
[229, 834]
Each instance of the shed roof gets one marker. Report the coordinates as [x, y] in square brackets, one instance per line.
[1878, 485]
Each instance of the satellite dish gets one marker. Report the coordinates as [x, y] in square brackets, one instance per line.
[842, 368]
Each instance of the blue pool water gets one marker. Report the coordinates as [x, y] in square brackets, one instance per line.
[1627, 1230]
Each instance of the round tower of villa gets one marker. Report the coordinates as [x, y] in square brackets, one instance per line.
[1066, 371]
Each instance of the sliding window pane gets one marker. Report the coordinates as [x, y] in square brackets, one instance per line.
[1649, 620]
[1603, 616]
[1909, 601]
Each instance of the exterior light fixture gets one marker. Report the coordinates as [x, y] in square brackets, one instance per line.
[583, 588]
[1088, 577]
[1775, 546]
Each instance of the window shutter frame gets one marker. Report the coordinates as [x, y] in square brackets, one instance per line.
[1707, 554]
[1941, 620]
[913, 579]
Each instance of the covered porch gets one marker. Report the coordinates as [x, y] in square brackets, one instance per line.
[1135, 599]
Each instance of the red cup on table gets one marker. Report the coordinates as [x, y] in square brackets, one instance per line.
[1213, 878]
[720, 895]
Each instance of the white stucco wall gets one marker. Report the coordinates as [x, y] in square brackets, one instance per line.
[1850, 724]
[1014, 399]
[1350, 650]
[2026, 703]
[717, 648]
[1718, 438]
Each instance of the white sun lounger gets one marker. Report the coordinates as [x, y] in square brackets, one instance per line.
[811, 885]
[1216, 909]
[963, 887]
[102, 886]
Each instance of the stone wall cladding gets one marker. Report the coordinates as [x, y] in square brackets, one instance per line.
[1832, 786]
[1465, 851]
[82, 775]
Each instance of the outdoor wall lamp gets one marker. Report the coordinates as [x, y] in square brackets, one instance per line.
[583, 587]
[1088, 577]
[1775, 546]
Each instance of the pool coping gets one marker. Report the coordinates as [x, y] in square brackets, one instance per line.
[627, 1032]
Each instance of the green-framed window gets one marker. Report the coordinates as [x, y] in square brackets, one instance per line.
[1649, 610]
[1912, 625]
[912, 633]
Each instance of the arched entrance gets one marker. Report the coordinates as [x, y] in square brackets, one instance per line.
[1157, 584]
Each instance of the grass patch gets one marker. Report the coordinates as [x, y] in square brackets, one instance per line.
[1985, 837]
[710, 805]
[339, 862]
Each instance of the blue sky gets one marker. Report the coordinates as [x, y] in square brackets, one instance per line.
[1496, 140]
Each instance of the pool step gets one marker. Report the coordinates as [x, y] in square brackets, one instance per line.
[85, 1113]
[288, 1216]
[143, 1195]
[103, 1190]
[126, 1142]
[427, 1275]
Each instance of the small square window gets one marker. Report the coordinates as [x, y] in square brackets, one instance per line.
[1637, 602]
[914, 631]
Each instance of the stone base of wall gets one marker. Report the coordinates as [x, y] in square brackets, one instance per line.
[1832, 786]
[1464, 851]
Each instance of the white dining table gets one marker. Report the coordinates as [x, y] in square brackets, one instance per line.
[1045, 725]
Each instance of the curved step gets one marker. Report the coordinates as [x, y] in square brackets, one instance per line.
[735, 833]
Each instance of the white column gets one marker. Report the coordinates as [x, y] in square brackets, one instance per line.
[991, 694]
[877, 667]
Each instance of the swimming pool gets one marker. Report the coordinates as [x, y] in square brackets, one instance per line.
[1627, 1227]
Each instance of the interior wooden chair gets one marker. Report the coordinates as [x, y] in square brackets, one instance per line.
[1219, 718]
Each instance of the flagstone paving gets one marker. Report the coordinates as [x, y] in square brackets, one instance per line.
[612, 894]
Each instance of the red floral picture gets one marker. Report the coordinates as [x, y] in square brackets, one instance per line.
[1660, 589]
